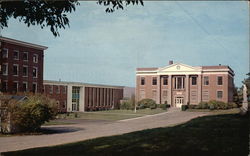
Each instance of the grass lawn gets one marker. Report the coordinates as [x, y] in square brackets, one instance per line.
[111, 114]
[210, 135]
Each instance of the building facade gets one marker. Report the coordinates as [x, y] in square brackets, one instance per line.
[74, 96]
[179, 84]
[21, 66]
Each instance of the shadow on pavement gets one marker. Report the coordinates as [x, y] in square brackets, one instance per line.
[58, 130]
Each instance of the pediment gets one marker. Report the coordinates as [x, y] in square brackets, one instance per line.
[179, 67]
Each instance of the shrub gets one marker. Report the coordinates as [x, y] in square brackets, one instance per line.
[147, 103]
[126, 105]
[203, 105]
[163, 106]
[29, 115]
[191, 106]
[184, 107]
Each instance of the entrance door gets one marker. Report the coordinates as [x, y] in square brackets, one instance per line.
[179, 101]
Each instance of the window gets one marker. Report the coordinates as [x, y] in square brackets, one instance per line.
[15, 69]
[5, 53]
[51, 89]
[219, 94]
[64, 89]
[154, 81]
[15, 86]
[34, 87]
[4, 86]
[143, 81]
[205, 95]
[35, 58]
[179, 83]
[165, 80]
[16, 55]
[57, 89]
[154, 94]
[219, 80]
[75, 98]
[25, 86]
[194, 80]
[206, 80]
[25, 56]
[5, 69]
[34, 72]
[25, 71]
[64, 104]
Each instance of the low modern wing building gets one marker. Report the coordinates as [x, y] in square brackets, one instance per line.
[179, 84]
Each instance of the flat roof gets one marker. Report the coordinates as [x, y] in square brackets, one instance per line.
[54, 82]
[22, 43]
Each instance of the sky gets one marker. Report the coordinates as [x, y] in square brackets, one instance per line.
[106, 48]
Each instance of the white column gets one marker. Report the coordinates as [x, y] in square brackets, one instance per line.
[82, 99]
[169, 90]
[69, 98]
[200, 83]
[158, 98]
[187, 89]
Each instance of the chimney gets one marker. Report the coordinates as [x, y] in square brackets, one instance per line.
[219, 64]
[170, 62]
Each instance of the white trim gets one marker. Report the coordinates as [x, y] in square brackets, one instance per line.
[26, 89]
[36, 86]
[18, 55]
[35, 58]
[36, 72]
[13, 41]
[17, 89]
[7, 50]
[27, 56]
[7, 69]
[27, 71]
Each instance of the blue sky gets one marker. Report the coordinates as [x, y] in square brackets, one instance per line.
[106, 48]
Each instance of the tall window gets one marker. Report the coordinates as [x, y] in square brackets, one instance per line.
[64, 89]
[34, 87]
[75, 98]
[51, 89]
[219, 80]
[25, 56]
[34, 72]
[5, 69]
[179, 82]
[25, 71]
[165, 80]
[142, 80]
[25, 86]
[35, 58]
[15, 69]
[194, 80]
[5, 53]
[206, 80]
[16, 55]
[15, 86]
[154, 81]
[4, 86]
[57, 89]
[219, 94]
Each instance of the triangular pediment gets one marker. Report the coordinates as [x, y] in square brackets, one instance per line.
[179, 67]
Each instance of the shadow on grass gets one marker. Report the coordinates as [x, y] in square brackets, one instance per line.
[204, 136]
[58, 130]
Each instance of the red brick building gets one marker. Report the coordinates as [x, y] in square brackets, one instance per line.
[179, 84]
[21, 66]
[76, 96]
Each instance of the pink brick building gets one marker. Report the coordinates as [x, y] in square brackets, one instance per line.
[179, 84]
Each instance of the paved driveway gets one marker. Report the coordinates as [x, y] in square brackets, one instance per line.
[86, 129]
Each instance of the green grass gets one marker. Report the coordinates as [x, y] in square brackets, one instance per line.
[216, 135]
[112, 114]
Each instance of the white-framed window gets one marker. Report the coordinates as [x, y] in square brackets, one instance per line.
[64, 104]
[165, 80]
[154, 81]
[4, 86]
[16, 55]
[5, 53]
[15, 69]
[5, 68]
[179, 82]
[219, 94]
[142, 80]
[194, 80]
[35, 58]
[51, 89]
[15, 86]
[25, 56]
[25, 86]
[206, 80]
[34, 87]
[34, 72]
[25, 71]
[219, 80]
[64, 89]
[57, 89]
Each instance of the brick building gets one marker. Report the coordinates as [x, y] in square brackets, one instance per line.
[21, 66]
[75, 96]
[179, 84]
